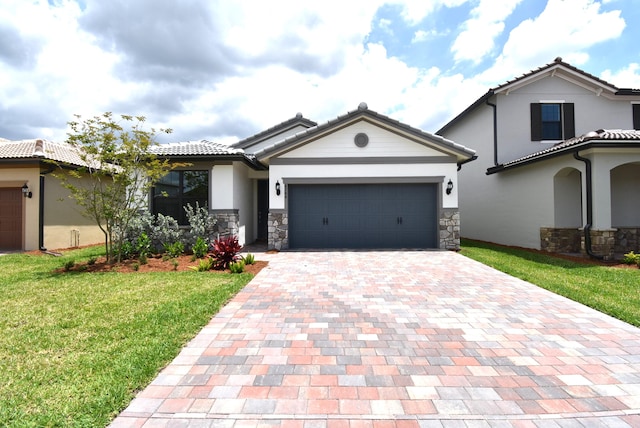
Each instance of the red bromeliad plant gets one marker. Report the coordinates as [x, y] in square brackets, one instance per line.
[225, 251]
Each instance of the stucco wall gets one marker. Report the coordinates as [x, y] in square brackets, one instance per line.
[382, 143]
[365, 173]
[17, 177]
[275, 138]
[591, 112]
[64, 224]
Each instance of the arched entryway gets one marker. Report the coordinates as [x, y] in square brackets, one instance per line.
[565, 235]
[625, 206]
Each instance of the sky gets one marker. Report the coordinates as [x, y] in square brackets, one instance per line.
[223, 70]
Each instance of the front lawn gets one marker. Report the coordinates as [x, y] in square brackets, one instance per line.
[612, 290]
[76, 347]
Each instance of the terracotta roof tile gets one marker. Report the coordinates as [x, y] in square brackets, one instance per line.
[40, 149]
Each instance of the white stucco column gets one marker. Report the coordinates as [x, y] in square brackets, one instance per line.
[601, 182]
[221, 187]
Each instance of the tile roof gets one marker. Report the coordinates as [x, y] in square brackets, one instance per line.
[275, 130]
[195, 148]
[601, 138]
[40, 149]
[362, 110]
[555, 63]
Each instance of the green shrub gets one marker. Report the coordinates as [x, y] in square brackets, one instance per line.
[92, 261]
[142, 258]
[174, 250]
[631, 258]
[237, 267]
[200, 248]
[203, 265]
[143, 246]
[126, 250]
[166, 229]
[201, 224]
[69, 265]
[136, 266]
[249, 259]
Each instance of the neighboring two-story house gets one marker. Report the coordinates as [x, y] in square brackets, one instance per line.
[558, 163]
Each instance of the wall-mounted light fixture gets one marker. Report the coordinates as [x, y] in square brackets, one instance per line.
[26, 192]
[449, 187]
[278, 188]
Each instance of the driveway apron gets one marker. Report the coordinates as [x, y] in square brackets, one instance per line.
[416, 338]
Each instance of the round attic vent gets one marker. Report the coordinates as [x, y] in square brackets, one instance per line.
[361, 139]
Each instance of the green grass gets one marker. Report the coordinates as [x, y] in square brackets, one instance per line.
[611, 290]
[76, 347]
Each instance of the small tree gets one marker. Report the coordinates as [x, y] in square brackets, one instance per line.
[117, 174]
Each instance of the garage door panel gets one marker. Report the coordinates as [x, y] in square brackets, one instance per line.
[363, 216]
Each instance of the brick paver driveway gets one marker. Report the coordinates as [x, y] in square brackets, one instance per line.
[415, 339]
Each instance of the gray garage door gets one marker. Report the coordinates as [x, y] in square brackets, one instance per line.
[363, 215]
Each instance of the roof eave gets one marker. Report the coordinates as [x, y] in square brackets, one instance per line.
[217, 157]
[591, 144]
[461, 152]
[482, 100]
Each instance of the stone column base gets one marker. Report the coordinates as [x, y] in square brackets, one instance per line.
[450, 229]
[227, 223]
[602, 243]
[278, 230]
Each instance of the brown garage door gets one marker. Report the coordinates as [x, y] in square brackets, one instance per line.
[11, 218]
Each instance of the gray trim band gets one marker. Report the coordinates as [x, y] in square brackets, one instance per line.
[225, 211]
[364, 160]
[362, 180]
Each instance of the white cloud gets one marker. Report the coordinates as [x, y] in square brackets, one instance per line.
[538, 41]
[414, 11]
[225, 70]
[627, 77]
[476, 40]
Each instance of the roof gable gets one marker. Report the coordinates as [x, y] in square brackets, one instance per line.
[282, 128]
[363, 113]
[562, 70]
[557, 68]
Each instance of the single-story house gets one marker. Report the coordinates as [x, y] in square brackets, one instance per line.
[35, 211]
[361, 180]
[558, 163]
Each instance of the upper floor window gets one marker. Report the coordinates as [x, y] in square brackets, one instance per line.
[177, 189]
[636, 116]
[552, 121]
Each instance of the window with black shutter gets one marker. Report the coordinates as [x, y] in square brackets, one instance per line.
[552, 121]
[636, 116]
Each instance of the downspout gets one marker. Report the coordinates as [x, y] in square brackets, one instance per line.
[495, 130]
[41, 208]
[41, 215]
[587, 227]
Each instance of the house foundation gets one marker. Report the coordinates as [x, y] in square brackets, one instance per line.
[604, 242]
[627, 239]
[560, 239]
